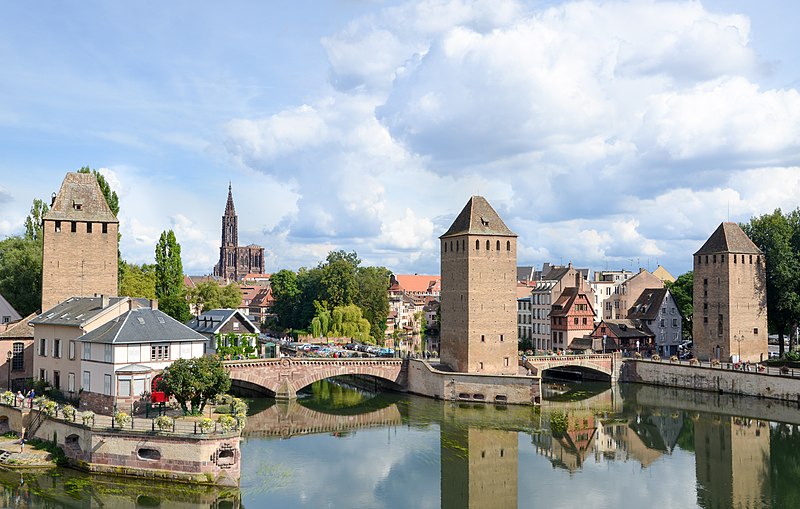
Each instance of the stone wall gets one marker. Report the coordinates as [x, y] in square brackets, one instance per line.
[711, 379]
[424, 380]
[99, 403]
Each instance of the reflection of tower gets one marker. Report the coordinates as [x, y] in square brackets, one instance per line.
[732, 459]
[479, 467]
[478, 299]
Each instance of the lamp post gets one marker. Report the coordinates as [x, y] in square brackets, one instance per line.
[604, 344]
[739, 338]
[9, 356]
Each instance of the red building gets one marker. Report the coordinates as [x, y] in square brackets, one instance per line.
[571, 317]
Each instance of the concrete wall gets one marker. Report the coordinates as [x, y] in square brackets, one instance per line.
[427, 381]
[711, 379]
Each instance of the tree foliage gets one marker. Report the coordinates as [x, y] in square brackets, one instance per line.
[311, 297]
[170, 289]
[682, 290]
[194, 382]
[33, 223]
[778, 236]
[210, 295]
[21, 273]
[138, 280]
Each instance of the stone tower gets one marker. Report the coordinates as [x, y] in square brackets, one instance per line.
[478, 299]
[236, 261]
[730, 297]
[80, 243]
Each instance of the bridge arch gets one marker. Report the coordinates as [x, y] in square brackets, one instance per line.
[604, 364]
[282, 378]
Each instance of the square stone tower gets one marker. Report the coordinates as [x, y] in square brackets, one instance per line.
[478, 299]
[79, 243]
[730, 297]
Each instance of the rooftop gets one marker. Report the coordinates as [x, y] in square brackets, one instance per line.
[478, 218]
[729, 238]
[80, 199]
[143, 325]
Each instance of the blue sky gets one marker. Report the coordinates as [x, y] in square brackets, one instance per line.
[609, 134]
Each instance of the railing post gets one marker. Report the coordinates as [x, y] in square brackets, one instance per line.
[153, 424]
[112, 421]
[195, 427]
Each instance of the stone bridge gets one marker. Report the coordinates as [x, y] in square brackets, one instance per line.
[608, 364]
[289, 418]
[282, 378]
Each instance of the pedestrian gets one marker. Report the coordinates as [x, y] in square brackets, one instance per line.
[20, 399]
[22, 441]
[31, 395]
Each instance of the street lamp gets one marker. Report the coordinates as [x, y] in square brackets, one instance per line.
[604, 344]
[9, 356]
[739, 338]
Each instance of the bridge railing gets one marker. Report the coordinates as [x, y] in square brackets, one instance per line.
[558, 358]
[309, 361]
[756, 369]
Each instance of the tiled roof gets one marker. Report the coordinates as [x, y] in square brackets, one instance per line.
[626, 329]
[729, 238]
[19, 329]
[75, 311]
[647, 305]
[418, 283]
[663, 274]
[80, 199]
[210, 322]
[478, 218]
[143, 325]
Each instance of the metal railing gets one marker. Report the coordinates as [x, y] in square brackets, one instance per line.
[741, 367]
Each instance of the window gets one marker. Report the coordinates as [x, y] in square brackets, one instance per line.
[159, 352]
[487, 245]
[87, 352]
[755, 331]
[480, 366]
[88, 227]
[236, 325]
[501, 337]
[483, 338]
[71, 349]
[108, 351]
[73, 226]
[43, 375]
[18, 361]
[87, 378]
[43, 347]
[508, 245]
[105, 227]
[124, 387]
[57, 380]
[139, 385]
[576, 320]
[498, 245]
[719, 325]
[505, 360]
[674, 322]
[57, 348]
[71, 382]
[584, 321]
[477, 245]
[107, 385]
[661, 324]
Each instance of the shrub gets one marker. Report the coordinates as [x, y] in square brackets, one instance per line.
[715, 362]
[241, 420]
[68, 412]
[637, 355]
[88, 417]
[238, 406]
[227, 423]
[655, 357]
[50, 408]
[7, 398]
[205, 424]
[122, 419]
[694, 362]
[164, 422]
[673, 358]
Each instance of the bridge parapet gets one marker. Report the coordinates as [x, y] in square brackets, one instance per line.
[604, 363]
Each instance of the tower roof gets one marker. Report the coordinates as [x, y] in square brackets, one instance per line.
[80, 199]
[229, 208]
[729, 238]
[478, 218]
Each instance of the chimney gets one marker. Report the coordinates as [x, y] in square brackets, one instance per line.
[153, 303]
[103, 301]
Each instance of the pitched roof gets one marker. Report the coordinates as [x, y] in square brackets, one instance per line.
[626, 329]
[478, 218]
[211, 321]
[417, 283]
[80, 199]
[647, 305]
[729, 238]
[143, 325]
[6, 309]
[19, 329]
[75, 311]
[230, 210]
[663, 274]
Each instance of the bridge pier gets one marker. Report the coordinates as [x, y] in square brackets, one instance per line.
[285, 392]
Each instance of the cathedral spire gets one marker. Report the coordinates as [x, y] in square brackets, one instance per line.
[229, 208]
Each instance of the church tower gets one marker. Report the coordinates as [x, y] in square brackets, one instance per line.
[79, 243]
[235, 261]
[730, 297]
[478, 299]
[230, 223]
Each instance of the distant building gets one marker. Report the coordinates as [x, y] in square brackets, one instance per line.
[235, 261]
[478, 301]
[626, 293]
[657, 309]
[572, 317]
[555, 279]
[16, 347]
[663, 274]
[730, 297]
[217, 325]
[79, 232]
[7, 313]
[623, 335]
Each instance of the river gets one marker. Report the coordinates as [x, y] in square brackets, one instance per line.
[588, 446]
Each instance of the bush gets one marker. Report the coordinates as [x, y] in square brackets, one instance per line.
[164, 422]
[50, 408]
[205, 424]
[227, 423]
[68, 412]
[241, 420]
[655, 357]
[7, 398]
[122, 419]
[57, 452]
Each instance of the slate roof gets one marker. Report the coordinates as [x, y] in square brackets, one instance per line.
[143, 325]
[74, 311]
[647, 305]
[729, 238]
[211, 321]
[8, 310]
[19, 329]
[478, 218]
[626, 329]
[80, 199]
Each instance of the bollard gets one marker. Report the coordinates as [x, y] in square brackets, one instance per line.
[195, 427]
[153, 424]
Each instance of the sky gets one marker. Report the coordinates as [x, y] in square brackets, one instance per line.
[609, 134]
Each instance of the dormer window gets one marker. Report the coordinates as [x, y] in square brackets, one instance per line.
[77, 205]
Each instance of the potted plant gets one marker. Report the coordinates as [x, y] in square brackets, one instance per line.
[227, 423]
[122, 419]
[88, 417]
[205, 424]
[164, 422]
[655, 357]
[673, 358]
[68, 412]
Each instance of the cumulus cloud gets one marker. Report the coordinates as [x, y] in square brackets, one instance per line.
[600, 130]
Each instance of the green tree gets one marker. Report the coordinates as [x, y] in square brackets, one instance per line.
[209, 295]
[774, 234]
[33, 223]
[338, 281]
[111, 196]
[170, 289]
[373, 298]
[682, 290]
[286, 292]
[347, 322]
[21, 273]
[138, 280]
[194, 382]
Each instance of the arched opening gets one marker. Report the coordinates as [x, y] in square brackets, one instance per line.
[249, 389]
[73, 444]
[498, 245]
[145, 453]
[4, 424]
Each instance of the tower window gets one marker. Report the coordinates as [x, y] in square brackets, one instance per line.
[73, 226]
[456, 246]
[755, 331]
[483, 338]
[508, 245]
[464, 245]
[715, 259]
[501, 338]
[451, 246]
[88, 227]
[498, 245]
[751, 258]
[706, 258]
[487, 245]
[445, 247]
[722, 258]
[58, 230]
[477, 245]
[105, 227]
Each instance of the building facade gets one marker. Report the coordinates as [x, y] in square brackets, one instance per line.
[730, 297]
[80, 242]
[235, 261]
[656, 308]
[572, 317]
[478, 300]
[627, 292]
